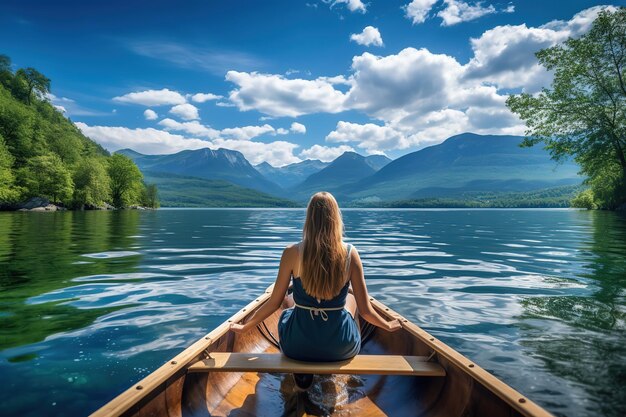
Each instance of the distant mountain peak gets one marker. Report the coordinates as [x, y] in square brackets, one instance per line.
[212, 164]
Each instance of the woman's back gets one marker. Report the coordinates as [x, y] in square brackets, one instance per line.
[319, 330]
[301, 297]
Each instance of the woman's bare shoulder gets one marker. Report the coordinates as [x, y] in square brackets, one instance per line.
[291, 250]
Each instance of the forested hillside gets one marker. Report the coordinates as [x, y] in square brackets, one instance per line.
[42, 153]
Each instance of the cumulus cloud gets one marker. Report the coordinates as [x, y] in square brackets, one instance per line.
[505, 55]
[247, 132]
[325, 153]
[352, 5]
[239, 133]
[204, 97]
[278, 96]
[150, 114]
[298, 128]
[409, 81]
[371, 137]
[457, 11]
[185, 111]
[148, 141]
[418, 10]
[369, 36]
[152, 98]
[193, 128]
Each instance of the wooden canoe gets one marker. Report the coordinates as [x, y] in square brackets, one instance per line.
[435, 380]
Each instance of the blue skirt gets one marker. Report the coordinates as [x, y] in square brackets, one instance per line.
[312, 339]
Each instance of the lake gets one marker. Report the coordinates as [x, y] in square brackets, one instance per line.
[94, 301]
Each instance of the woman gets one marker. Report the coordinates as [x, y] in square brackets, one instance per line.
[321, 325]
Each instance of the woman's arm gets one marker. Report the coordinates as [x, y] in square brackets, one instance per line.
[278, 293]
[362, 298]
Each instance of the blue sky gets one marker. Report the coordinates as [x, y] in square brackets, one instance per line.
[283, 81]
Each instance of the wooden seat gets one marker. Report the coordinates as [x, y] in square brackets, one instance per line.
[277, 362]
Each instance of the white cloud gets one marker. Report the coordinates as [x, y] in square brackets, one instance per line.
[298, 128]
[247, 132]
[148, 141]
[418, 10]
[150, 114]
[204, 97]
[369, 36]
[238, 133]
[193, 128]
[352, 5]
[457, 11]
[185, 111]
[152, 97]
[324, 153]
[373, 138]
[278, 96]
[412, 80]
[505, 55]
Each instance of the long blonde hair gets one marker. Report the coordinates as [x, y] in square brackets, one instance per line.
[323, 255]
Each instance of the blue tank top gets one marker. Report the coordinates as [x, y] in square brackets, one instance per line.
[309, 334]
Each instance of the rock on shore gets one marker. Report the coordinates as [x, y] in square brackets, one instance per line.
[39, 204]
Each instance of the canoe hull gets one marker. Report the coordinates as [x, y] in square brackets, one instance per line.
[466, 390]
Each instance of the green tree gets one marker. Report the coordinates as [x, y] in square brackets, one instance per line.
[8, 192]
[47, 176]
[126, 185]
[584, 199]
[583, 114]
[16, 126]
[35, 82]
[150, 197]
[91, 183]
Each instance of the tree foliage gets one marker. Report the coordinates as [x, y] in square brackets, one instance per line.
[44, 154]
[34, 81]
[92, 183]
[583, 113]
[126, 184]
[584, 199]
[8, 192]
[150, 197]
[47, 176]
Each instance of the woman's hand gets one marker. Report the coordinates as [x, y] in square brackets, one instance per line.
[394, 325]
[238, 328]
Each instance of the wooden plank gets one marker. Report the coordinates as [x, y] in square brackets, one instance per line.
[360, 364]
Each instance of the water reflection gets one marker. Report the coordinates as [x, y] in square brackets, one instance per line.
[581, 338]
[93, 301]
[40, 254]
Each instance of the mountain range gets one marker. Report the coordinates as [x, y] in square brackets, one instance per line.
[292, 174]
[347, 169]
[464, 164]
[220, 164]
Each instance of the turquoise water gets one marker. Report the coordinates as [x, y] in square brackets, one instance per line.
[91, 302]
